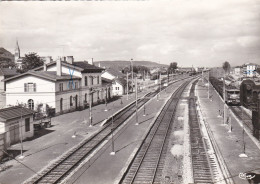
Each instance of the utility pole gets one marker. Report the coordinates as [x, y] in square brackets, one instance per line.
[21, 134]
[136, 105]
[127, 87]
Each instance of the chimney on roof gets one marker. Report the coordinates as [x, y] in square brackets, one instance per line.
[63, 59]
[58, 67]
[70, 59]
[44, 67]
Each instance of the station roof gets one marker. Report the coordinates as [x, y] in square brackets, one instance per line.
[14, 112]
[81, 66]
[49, 75]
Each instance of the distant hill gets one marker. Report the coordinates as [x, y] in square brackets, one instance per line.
[122, 64]
[6, 58]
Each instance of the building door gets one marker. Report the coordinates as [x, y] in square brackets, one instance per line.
[61, 104]
[14, 133]
[76, 101]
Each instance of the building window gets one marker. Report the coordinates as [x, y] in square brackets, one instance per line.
[70, 85]
[76, 85]
[29, 87]
[27, 124]
[61, 86]
[86, 95]
[86, 81]
[98, 95]
[92, 80]
[31, 104]
[98, 80]
[71, 103]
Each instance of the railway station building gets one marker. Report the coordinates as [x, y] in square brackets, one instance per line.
[62, 85]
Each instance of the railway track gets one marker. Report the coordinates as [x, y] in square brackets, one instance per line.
[68, 162]
[202, 171]
[243, 116]
[148, 163]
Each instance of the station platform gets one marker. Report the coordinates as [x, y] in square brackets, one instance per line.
[52, 142]
[107, 168]
[231, 144]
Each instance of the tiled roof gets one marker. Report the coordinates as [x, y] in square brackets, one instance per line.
[7, 72]
[114, 72]
[121, 81]
[49, 75]
[87, 67]
[82, 66]
[14, 113]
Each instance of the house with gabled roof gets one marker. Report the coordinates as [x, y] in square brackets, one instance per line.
[63, 85]
[16, 123]
[119, 86]
[111, 74]
[4, 74]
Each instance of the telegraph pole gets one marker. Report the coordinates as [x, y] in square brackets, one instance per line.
[136, 102]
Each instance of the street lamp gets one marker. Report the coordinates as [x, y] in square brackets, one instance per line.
[21, 135]
[112, 130]
[127, 87]
[106, 99]
[136, 105]
[132, 74]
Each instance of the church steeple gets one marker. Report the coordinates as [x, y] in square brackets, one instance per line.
[17, 51]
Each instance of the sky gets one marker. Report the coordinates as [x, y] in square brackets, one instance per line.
[189, 32]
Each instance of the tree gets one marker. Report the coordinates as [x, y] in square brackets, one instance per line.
[173, 66]
[30, 61]
[6, 63]
[226, 67]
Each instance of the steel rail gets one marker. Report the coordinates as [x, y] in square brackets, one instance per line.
[151, 137]
[67, 163]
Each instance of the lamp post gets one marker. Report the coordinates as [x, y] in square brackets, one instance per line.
[112, 139]
[224, 98]
[127, 87]
[106, 99]
[21, 135]
[90, 107]
[132, 74]
[136, 102]
[208, 84]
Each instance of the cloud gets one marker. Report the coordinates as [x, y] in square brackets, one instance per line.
[200, 32]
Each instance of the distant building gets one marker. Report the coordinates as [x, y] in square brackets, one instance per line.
[237, 71]
[250, 69]
[16, 123]
[112, 74]
[119, 86]
[4, 74]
